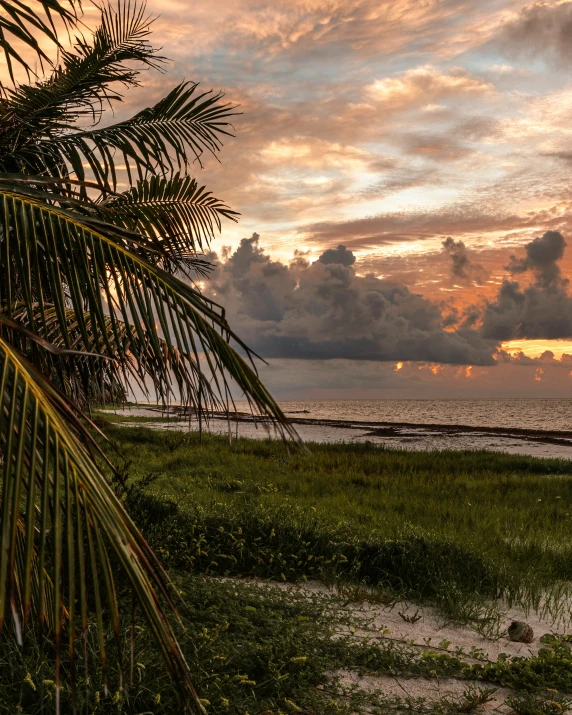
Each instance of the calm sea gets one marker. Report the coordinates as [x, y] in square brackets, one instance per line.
[528, 414]
[538, 427]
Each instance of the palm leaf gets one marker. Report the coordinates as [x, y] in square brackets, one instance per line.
[158, 140]
[175, 213]
[83, 376]
[73, 523]
[53, 256]
[22, 22]
[80, 86]
[88, 307]
[87, 381]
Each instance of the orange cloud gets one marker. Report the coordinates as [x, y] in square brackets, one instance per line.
[425, 85]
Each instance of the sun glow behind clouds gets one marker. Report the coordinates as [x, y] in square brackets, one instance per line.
[535, 348]
[388, 127]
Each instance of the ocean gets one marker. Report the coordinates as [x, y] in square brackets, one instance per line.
[528, 414]
[536, 427]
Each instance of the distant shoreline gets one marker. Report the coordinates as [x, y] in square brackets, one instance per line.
[379, 429]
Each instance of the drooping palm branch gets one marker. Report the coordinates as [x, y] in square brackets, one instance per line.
[91, 302]
[26, 24]
[159, 139]
[49, 255]
[87, 381]
[73, 521]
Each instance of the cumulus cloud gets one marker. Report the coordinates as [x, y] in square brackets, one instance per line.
[339, 255]
[542, 256]
[462, 268]
[325, 310]
[542, 309]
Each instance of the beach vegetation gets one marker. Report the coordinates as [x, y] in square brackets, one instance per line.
[445, 525]
[239, 526]
[102, 237]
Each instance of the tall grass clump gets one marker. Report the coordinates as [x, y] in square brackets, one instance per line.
[443, 526]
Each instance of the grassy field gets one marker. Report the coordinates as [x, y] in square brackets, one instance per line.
[429, 524]
[457, 530]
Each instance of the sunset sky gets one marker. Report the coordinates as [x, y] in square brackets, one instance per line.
[402, 169]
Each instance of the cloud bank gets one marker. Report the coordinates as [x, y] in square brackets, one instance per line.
[325, 310]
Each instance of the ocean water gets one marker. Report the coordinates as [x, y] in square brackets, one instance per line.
[537, 427]
[527, 414]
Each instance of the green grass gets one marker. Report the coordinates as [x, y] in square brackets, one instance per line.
[257, 650]
[433, 525]
[454, 529]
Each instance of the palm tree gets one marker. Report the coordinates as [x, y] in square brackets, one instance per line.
[96, 295]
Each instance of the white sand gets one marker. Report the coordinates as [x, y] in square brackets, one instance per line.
[378, 621]
[431, 690]
[374, 621]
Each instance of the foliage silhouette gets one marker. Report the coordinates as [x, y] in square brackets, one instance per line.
[97, 295]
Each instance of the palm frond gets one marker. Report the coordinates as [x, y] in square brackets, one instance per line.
[39, 340]
[73, 525]
[53, 256]
[86, 380]
[90, 307]
[175, 213]
[78, 89]
[83, 376]
[168, 221]
[157, 140]
[21, 23]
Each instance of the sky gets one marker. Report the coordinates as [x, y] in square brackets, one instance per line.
[402, 170]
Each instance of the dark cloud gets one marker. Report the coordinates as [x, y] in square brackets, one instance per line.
[324, 310]
[462, 268]
[542, 256]
[403, 178]
[262, 284]
[516, 376]
[437, 147]
[543, 309]
[387, 228]
[541, 30]
[476, 127]
[565, 156]
[339, 255]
